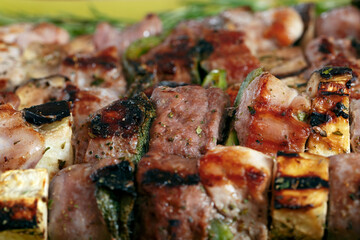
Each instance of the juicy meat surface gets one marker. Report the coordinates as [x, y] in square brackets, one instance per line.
[106, 36]
[172, 205]
[268, 118]
[95, 70]
[231, 54]
[344, 203]
[73, 211]
[355, 125]
[85, 103]
[237, 180]
[189, 121]
[21, 146]
[339, 23]
[266, 30]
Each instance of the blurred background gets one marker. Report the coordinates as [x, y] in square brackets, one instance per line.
[81, 16]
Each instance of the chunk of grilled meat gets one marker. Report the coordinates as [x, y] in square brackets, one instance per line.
[21, 146]
[344, 211]
[106, 36]
[230, 53]
[271, 117]
[237, 180]
[41, 90]
[283, 62]
[189, 120]
[120, 130]
[339, 23]
[73, 211]
[299, 196]
[172, 203]
[329, 118]
[11, 70]
[101, 69]
[266, 30]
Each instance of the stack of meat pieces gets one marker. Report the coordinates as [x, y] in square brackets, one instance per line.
[147, 132]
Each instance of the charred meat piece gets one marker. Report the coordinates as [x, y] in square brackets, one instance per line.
[21, 146]
[271, 117]
[106, 36]
[344, 210]
[329, 118]
[120, 130]
[230, 54]
[339, 23]
[95, 70]
[237, 180]
[73, 211]
[283, 62]
[172, 204]
[299, 196]
[41, 90]
[189, 120]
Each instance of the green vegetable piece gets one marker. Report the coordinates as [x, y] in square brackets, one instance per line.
[249, 78]
[219, 231]
[142, 46]
[216, 78]
[232, 139]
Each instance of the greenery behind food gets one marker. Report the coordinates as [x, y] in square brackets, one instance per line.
[192, 9]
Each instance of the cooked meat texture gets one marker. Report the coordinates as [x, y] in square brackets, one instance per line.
[283, 62]
[327, 51]
[237, 180]
[355, 125]
[85, 103]
[189, 120]
[83, 44]
[11, 69]
[99, 70]
[339, 23]
[266, 30]
[231, 54]
[344, 204]
[120, 130]
[21, 146]
[10, 98]
[10, 33]
[41, 90]
[106, 36]
[44, 33]
[172, 204]
[42, 60]
[73, 211]
[270, 117]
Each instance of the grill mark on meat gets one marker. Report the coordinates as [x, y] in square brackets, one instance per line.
[339, 110]
[121, 117]
[279, 205]
[330, 72]
[165, 178]
[285, 154]
[84, 63]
